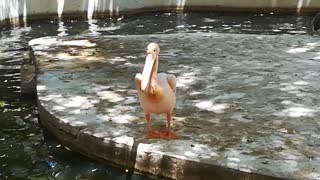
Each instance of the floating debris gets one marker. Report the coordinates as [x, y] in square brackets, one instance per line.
[51, 164]
[180, 26]
[4, 155]
[94, 170]
[56, 174]
[67, 148]
[120, 18]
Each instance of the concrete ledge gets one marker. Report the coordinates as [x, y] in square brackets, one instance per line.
[135, 158]
[245, 110]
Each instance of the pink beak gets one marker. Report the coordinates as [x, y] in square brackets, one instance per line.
[147, 71]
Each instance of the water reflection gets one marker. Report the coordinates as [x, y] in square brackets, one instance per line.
[62, 29]
[93, 28]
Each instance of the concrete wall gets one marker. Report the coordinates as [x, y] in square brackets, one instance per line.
[12, 9]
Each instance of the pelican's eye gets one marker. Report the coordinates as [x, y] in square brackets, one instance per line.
[154, 50]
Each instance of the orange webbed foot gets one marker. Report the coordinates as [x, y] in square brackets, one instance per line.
[152, 135]
[168, 135]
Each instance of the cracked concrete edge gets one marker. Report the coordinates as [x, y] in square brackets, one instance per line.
[134, 158]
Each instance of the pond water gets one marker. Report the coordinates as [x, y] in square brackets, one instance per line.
[26, 151]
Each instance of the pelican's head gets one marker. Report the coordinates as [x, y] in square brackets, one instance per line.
[153, 48]
[153, 51]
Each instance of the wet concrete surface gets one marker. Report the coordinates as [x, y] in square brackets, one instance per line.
[246, 104]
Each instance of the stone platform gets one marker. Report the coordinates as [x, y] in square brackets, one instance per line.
[247, 105]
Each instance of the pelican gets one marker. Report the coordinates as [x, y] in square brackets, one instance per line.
[157, 93]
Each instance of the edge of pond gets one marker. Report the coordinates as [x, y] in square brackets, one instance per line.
[133, 158]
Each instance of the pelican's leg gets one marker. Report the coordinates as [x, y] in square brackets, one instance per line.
[151, 134]
[168, 135]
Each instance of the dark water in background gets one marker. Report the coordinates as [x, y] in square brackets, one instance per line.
[28, 152]
[173, 23]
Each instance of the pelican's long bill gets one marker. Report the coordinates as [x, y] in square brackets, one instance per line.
[147, 71]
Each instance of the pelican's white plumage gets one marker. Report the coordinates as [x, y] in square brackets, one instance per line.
[157, 92]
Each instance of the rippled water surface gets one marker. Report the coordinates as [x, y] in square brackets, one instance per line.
[28, 152]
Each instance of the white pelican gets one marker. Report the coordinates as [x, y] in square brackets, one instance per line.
[157, 92]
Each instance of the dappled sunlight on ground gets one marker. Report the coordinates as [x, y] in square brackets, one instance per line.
[297, 112]
[210, 106]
